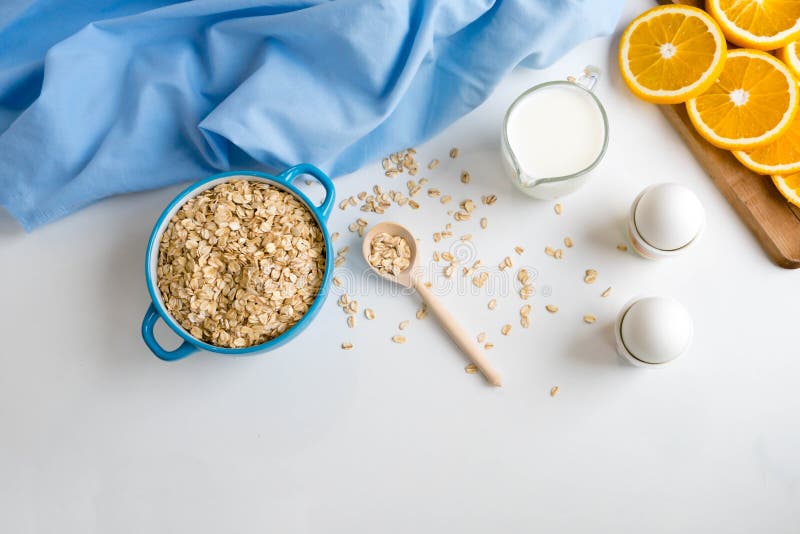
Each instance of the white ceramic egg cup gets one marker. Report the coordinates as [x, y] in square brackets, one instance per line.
[645, 249]
[623, 351]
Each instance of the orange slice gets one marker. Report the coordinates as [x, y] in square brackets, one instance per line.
[789, 186]
[671, 53]
[788, 54]
[782, 156]
[759, 24]
[751, 104]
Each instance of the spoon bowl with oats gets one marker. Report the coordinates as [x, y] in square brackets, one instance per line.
[391, 251]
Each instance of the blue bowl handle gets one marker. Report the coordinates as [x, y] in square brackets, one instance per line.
[150, 318]
[324, 209]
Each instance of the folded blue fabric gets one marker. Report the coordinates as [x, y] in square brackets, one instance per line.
[101, 97]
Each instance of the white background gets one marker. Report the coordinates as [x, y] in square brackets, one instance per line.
[99, 436]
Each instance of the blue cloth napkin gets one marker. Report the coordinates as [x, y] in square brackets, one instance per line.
[100, 97]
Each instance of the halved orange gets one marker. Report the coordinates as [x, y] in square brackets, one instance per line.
[751, 104]
[671, 53]
[759, 24]
[782, 156]
[788, 54]
[789, 186]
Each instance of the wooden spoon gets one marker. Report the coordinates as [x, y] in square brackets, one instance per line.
[412, 279]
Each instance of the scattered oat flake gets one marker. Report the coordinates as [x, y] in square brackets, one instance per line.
[481, 337]
[568, 242]
[347, 346]
[550, 251]
[506, 329]
[519, 250]
[403, 325]
[465, 178]
[554, 391]
[334, 236]
[551, 308]
[558, 254]
[337, 282]
[589, 318]
[557, 208]
[399, 339]
[433, 164]
[622, 247]
[606, 293]
[525, 310]
[369, 313]
[471, 369]
[484, 222]
[526, 291]
[492, 304]
[488, 346]
[454, 152]
[445, 199]
[422, 312]
[351, 321]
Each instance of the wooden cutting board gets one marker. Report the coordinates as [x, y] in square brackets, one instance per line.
[774, 221]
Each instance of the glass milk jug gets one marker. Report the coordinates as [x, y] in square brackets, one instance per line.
[554, 134]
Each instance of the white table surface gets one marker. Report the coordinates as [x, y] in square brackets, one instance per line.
[99, 436]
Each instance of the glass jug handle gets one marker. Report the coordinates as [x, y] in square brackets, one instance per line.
[587, 79]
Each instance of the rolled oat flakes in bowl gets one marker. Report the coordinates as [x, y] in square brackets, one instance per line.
[238, 263]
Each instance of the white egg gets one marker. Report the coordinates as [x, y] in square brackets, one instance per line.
[656, 329]
[669, 216]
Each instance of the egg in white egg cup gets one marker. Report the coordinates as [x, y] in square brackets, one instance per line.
[658, 335]
[641, 245]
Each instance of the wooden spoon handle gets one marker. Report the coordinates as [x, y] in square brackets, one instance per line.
[458, 334]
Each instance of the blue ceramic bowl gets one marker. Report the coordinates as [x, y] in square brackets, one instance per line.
[157, 309]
